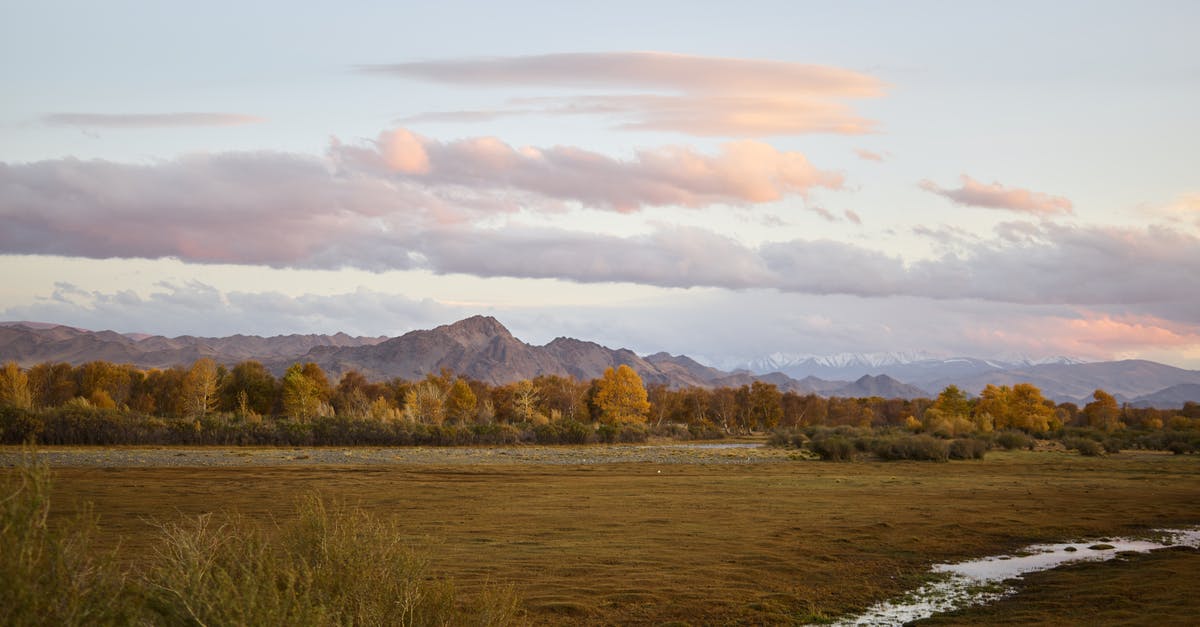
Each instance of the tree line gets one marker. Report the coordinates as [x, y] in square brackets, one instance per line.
[103, 402]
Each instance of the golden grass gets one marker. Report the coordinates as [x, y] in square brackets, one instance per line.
[651, 543]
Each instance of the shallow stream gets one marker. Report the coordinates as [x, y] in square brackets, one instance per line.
[981, 581]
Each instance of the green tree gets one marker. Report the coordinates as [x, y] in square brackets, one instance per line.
[621, 397]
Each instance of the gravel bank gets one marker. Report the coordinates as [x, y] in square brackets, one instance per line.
[130, 457]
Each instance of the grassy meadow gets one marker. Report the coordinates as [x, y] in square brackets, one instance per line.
[649, 543]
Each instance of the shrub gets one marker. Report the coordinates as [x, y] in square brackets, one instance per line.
[1113, 445]
[1085, 446]
[632, 432]
[49, 573]
[1012, 440]
[833, 448]
[330, 565]
[968, 448]
[913, 447]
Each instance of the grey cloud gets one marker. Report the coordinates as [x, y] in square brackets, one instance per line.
[283, 211]
[149, 120]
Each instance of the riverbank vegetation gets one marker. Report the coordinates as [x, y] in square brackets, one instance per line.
[208, 404]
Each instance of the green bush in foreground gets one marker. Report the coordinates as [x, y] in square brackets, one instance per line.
[329, 565]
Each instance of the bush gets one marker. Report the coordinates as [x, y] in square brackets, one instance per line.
[1085, 446]
[330, 565]
[49, 573]
[1113, 445]
[968, 448]
[1012, 440]
[833, 448]
[913, 447]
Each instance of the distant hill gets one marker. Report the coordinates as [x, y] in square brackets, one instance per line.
[482, 348]
[1075, 382]
[33, 343]
[1172, 397]
[882, 386]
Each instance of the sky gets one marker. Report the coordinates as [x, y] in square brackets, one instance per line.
[725, 180]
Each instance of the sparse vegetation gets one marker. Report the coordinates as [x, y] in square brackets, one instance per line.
[328, 564]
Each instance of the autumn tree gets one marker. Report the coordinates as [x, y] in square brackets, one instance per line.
[352, 395]
[103, 383]
[1103, 412]
[525, 399]
[765, 405]
[723, 407]
[424, 402]
[250, 382]
[621, 397]
[200, 387]
[950, 414]
[1019, 407]
[301, 395]
[14, 387]
[52, 384]
[662, 402]
[461, 402]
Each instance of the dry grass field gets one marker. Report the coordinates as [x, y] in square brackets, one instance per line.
[764, 543]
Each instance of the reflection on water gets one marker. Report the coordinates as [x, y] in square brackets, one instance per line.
[980, 581]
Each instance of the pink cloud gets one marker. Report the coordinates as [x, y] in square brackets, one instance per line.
[708, 96]
[996, 196]
[867, 155]
[1092, 335]
[354, 210]
[852, 216]
[743, 172]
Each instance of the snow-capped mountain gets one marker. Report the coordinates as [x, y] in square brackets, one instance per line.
[919, 368]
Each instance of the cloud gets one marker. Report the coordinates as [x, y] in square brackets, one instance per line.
[995, 196]
[693, 322]
[149, 120]
[743, 172]
[1086, 334]
[824, 213]
[852, 216]
[195, 308]
[707, 96]
[867, 155]
[281, 210]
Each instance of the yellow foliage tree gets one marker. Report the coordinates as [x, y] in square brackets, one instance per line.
[14, 387]
[200, 388]
[621, 396]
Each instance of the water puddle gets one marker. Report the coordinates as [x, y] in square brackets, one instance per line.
[981, 581]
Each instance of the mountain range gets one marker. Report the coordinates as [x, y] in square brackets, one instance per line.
[482, 348]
